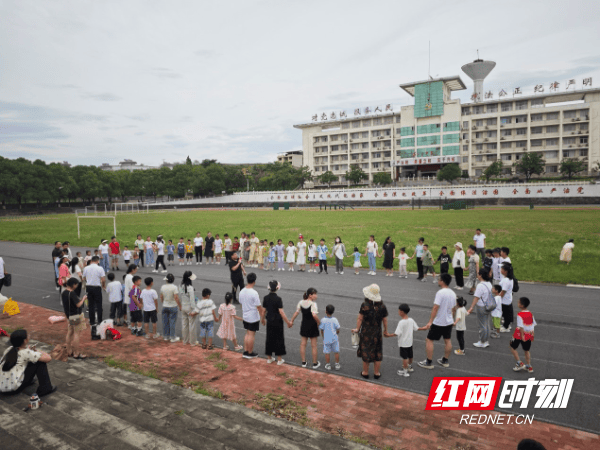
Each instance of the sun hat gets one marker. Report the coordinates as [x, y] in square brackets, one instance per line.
[300, 236]
[193, 277]
[459, 245]
[104, 241]
[372, 293]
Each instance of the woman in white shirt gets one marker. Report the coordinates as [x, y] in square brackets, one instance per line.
[483, 294]
[567, 251]
[301, 254]
[104, 256]
[149, 250]
[20, 364]
[371, 252]
[507, 284]
[458, 263]
[160, 254]
[339, 251]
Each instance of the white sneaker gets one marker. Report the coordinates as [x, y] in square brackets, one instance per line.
[292, 270]
[337, 366]
[196, 263]
[405, 276]
[157, 336]
[505, 330]
[341, 273]
[327, 366]
[280, 362]
[434, 281]
[481, 344]
[316, 365]
[164, 271]
[458, 288]
[373, 273]
[200, 263]
[403, 373]
[155, 271]
[270, 360]
[175, 340]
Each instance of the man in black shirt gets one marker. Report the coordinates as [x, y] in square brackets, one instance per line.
[444, 260]
[56, 253]
[237, 275]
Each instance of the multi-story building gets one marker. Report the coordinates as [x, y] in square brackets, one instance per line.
[438, 130]
[294, 158]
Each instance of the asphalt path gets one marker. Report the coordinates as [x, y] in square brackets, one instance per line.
[566, 341]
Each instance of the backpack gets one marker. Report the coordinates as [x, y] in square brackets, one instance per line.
[515, 284]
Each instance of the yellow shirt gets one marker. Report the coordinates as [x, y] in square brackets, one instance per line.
[254, 242]
[261, 250]
[189, 248]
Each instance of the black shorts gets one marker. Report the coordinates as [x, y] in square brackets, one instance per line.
[150, 316]
[436, 332]
[190, 255]
[136, 316]
[181, 255]
[311, 259]
[514, 343]
[126, 262]
[251, 326]
[171, 257]
[406, 352]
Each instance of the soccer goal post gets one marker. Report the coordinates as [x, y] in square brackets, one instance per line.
[114, 218]
[131, 207]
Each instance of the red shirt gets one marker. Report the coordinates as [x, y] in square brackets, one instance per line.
[526, 321]
[114, 248]
[236, 246]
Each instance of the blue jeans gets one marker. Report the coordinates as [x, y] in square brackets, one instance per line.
[372, 263]
[104, 262]
[169, 320]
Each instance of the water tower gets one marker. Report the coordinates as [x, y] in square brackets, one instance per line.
[477, 71]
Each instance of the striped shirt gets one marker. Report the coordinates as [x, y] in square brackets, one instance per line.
[206, 307]
[93, 275]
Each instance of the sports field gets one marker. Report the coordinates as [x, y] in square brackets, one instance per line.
[534, 237]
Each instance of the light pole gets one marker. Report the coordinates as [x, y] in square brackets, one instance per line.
[59, 195]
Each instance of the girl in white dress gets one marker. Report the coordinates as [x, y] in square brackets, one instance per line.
[301, 254]
[218, 249]
[291, 255]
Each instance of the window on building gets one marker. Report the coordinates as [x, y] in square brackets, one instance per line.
[520, 119]
[492, 108]
[507, 107]
[583, 127]
[537, 103]
[365, 134]
[387, 154]
[336, 167]
[387, 164]
[465, 148]
[551, 142]
[376, 133]
[356, 124]
[376, 144]
[354, 146]
[344, 158]
[465, 136]
[536, 130]
[552, 169]
[466, 111]
[335, 148]
[584, 114]
[536, 142]
[365, 145]
[355, 157]
[398, 131]
[505, 120]
[387, 132]
[551, 155]
[569, 128]
[518, 156]
[478, 158]
[552, 116]
[583, 140]
[398, 142]
[365, 156]
[335, 158]
[387, 120]
[397, 119]
[506, 133]
[505, 145]
[583, 152]
[376, 165]
[465, 159]
[570, 114]
[478, 146]
[354, 135]
[398, 152]
[478, 172]
[569, 141]
[345, 147]
[366, 123]
[552, 129]
[479, 123]
[536, 117]
[365, 166]
[492, 134]
[492, 146]
[345, 125]
[334, 137]
[478, 110]
[478, 135]
[521, 144]
[377, 155]
[377, 121]
[521, 131]
[507, 157]
[492, 122]
[568, 153]
[466, 124]
[522, 104]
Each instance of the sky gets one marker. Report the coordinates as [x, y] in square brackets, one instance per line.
[152, 81]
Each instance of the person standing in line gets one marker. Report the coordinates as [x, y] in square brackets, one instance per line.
[198, 244]
[189, 252]
[227, 329]
[483, 297]
[115, 251]
[389, 254]
[139, 243]
[263, 255]
[312, 256]
[252, 311]
[181, 251]
[504, 258]
[189, 309]
[507, 285]
[309, 327]
[330, 329]
[218, 249]
[567, 252]
[301, 245]
[322, 251]
[496, 313]
[280, 251]
[339, 252]
[56, 253]
[115, 298]
[473, 269]
[479, 240]
[461, 325]
[243, 239]
[419, 254]
[63, 274]
[252, 256]
[73, 308]
[371, 253]
[357, 265]
[128, 284]
[126, 257]
[402, 259]
[291, 255]
[160, 254]
[496, 265]
[3, 273]
[104, 254]
[209, 248]
[207, 319]
[169, 296]
[149, 299]
[66, 246]
[170, 253]
[272, 253]
[458, 264]
[237, 272]
[444, 260]
[228, 247]
[427, 262]
[404, 331]
[440, 323]
[149, 250]
[95, 279]
[273, 317]
[235, 247]
[524, 333]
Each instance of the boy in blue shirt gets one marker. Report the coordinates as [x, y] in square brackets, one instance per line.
[330, 328]
[322, 250]
[170, 253]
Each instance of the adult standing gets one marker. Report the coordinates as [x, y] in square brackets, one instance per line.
[198, 244]
[301, 260]
[479, 240]
[273, 317]
[309, 327]
[371, 316]
[371, 253]
[237, 272]
[458, 264]
[66, 247]
[3, 273]
[115, 251]
[209, 248]
[160, 254]
[73, 308]
[169, 296]
[63, 273]
[149, 247]
[77, 273]
[20, 364]
[56, 253]
[339, 251]
[128, 283]
[440, 322]
[95, 279]
[483, 295]
[567, 252]
[139, 243]
[104, 251]
[419, 254]
[189, 310]
[252, 312]
[473, 269]
[507, 285]
[389, 254]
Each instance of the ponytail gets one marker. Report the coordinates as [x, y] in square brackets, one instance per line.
[309, 292]
[509, 270]
[228, 298]
[17, 338]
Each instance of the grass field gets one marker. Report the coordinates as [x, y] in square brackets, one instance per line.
[534, 237]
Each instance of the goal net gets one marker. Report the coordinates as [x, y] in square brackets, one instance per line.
[131, 207]
[81, 217]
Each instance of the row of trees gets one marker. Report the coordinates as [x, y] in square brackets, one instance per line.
[24, 181]
[355, 175]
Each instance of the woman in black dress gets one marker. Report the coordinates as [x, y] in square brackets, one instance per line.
[389, 252]
[368, 324]
[273, 317]
[309, 328]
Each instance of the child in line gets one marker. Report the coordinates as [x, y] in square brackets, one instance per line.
[488, 261]
[218, 249]
[280, 250]
[170, 253]
[272, 253]
[291, 255]
[523, 336]
[402, 259]
[235, 247]
[113, 289]
[181, 251]
[445, 259]
[150, 303]
[126, 256]
[312, 256]
[228, 248]
[404, 331]
[88, 257]
[322, 251]
[460, 323]
[135, 307]
[357, 264]
[497, 313]
[427, 261]
[227, 328]
[189, 252]
[266, 251]
[330, 328]
[136, 256]
[496, 265]
[207, 318]
[261, 252]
